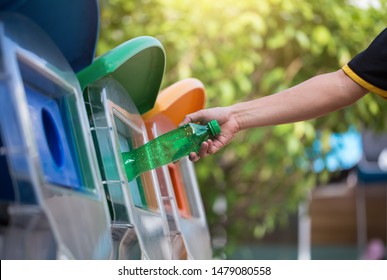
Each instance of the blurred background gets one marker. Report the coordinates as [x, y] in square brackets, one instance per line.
[290, 191]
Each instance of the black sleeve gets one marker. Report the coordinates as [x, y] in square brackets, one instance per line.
[369, 68]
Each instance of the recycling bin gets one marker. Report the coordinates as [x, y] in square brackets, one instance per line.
[51, 194]
[118, 86]
[178, 183]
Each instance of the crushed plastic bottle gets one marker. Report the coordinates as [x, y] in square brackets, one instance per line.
[168, 148]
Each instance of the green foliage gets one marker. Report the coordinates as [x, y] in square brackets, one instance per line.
[246, 49]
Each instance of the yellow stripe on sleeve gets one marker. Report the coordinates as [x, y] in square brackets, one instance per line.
[363, 83]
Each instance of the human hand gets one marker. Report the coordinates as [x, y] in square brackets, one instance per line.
[227, 122]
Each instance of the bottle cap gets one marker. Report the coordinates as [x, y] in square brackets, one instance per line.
[214, 127]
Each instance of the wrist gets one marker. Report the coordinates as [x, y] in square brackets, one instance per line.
[235, 113]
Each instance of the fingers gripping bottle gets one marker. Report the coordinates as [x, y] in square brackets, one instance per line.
[168, 148]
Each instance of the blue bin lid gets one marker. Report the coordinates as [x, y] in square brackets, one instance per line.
[73, 25]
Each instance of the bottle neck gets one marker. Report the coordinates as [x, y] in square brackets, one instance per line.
[200, 129]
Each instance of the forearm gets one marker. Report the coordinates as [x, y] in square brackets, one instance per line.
[313, 98]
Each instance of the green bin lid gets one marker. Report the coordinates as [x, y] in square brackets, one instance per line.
[138, 65]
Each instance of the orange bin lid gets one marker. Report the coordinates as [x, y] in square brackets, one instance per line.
[178, 100]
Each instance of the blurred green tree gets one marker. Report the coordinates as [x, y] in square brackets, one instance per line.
[246, 49]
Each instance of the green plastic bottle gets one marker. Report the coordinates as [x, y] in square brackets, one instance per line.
[168, 148]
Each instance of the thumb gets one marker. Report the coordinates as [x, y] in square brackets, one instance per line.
[186, 120]
[192, 118]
